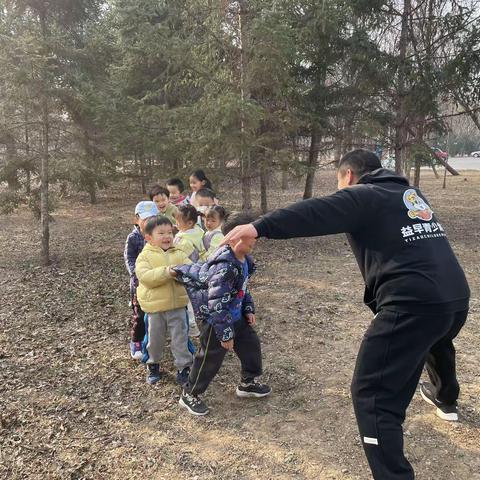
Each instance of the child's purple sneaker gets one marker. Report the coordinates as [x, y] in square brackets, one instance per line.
[136, 350]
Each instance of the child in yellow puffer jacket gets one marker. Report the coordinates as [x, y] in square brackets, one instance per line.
[163, 299]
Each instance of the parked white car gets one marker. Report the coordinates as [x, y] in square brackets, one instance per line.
[475, 154]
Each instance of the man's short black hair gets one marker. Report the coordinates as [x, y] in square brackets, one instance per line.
[206, 193]
[236, 219]
[158, 190]
[360, 161]
[176, 182]
[153, 222]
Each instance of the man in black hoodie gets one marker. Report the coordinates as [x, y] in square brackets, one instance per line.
[413, 284]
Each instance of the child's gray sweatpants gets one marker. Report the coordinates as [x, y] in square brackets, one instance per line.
[173, 321]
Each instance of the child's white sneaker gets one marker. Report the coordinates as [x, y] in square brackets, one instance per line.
[136, 350]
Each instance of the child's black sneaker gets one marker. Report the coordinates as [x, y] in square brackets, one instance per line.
[153, 375]
[445, 412]
[182, 376]
[251, 389]
[193, 404]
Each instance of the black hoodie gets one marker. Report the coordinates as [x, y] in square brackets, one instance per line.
[400, 247]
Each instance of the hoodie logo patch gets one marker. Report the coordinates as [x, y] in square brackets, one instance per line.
[417, 206]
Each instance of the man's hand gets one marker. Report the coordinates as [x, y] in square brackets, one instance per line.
[242, 231]
[251, 319]
[172, 272]
[228, 345]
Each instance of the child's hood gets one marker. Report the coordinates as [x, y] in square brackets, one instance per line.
[152, 248]
[196, 275]
[194, 232]
[225, 255]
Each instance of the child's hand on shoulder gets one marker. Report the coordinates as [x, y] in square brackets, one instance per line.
[251, 319]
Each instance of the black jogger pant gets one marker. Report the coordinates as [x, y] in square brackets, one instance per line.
[137, 324]
[392, 355]
[209, 359]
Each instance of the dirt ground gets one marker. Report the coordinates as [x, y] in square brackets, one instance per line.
[75, 406]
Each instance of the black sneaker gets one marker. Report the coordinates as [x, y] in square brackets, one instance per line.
[182, 377]
[252, 389]
[193, 404]
[153, 375]
[445, 412]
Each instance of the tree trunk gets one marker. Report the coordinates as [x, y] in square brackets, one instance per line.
[401, 114]
[10, 169]
[284, 177]
[44, 213]
[448, 167]
[312, 165]
[263, 188]
[437, 176]
[245, 154]
[416, 176]
[92, 193]
[141, 161]
[28, 183]
[338, 150]
[246, 194]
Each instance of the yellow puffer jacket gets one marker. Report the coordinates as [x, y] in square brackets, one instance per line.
[170, 213]
[191, 242]
[157, 291]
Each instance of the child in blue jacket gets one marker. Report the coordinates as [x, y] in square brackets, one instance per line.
[225, 311]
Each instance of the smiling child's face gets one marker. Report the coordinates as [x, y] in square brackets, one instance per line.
[195, 183]
[161, 236]
[161, 201]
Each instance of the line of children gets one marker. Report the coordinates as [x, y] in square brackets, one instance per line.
[163, 299]
[165, 200]
[154, 257]
[133, 246]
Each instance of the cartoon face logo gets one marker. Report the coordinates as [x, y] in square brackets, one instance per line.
[417, 206]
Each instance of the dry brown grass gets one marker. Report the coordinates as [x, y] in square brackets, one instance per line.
[74, 406]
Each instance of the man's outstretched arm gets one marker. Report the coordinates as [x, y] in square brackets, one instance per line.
[344, 211]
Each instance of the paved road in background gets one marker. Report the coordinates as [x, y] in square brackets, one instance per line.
[464, 163]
